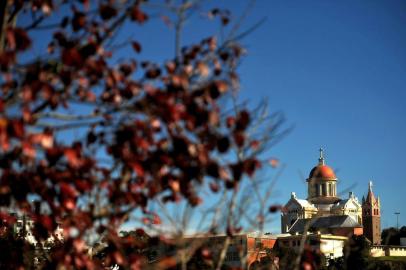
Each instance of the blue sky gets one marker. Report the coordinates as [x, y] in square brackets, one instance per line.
[337, 70]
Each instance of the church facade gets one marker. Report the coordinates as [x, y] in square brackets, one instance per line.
[325, 212]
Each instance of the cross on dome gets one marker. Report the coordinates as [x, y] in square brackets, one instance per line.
[321, 158]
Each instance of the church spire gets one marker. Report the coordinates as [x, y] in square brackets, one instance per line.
[321, 158]
[370, 196]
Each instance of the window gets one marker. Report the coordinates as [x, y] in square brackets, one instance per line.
[258, 243]
[324, 189]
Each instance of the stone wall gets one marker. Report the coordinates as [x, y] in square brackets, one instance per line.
[380, 251]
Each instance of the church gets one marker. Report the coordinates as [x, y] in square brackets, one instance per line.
[323, 210]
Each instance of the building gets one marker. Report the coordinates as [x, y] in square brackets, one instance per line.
[330, 245]
[24, 226]
[323, 210]
[371, 216]
[240, 250]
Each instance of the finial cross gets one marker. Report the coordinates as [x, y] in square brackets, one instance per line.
[321, 158]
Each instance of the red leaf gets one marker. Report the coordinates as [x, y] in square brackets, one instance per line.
[167, 20]
[69, 204]
[68, 190]
[274, 162]
[139, 170]
[44, 139]
[28, 150]
[73, 158]
[255, 144]
[156, 220]
[230, 121]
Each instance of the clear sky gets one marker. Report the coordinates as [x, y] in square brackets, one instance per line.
[337, 70]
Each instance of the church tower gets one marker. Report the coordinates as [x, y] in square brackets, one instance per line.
[371, 217]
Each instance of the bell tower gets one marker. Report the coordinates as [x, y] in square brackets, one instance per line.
[371, 216]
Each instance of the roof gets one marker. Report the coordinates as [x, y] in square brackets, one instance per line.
[301, 202]
[322, 171]
[305, 203]
[343, 221]
[258, 234]
[344, 203]
[313, 235]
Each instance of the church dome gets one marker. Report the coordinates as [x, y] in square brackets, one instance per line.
[322, 171]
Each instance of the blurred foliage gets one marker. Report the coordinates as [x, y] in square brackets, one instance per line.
[391, 236]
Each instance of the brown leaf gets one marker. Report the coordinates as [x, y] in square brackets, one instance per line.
[78, 21]
[275, 208]
[136, 46]
[255, 144]
[107, 11]
[17, 39]
[239, 138]
[72, 57]
[7, 59]
[223, 144]
[16, 128]
[243, 119]
[214, 187]
[153, 73]
[137, 15]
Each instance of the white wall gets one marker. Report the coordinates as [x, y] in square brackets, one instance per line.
[377, 251]
[334, 247]
[397, 251]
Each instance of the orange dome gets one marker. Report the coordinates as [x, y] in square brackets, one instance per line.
[322, 171]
